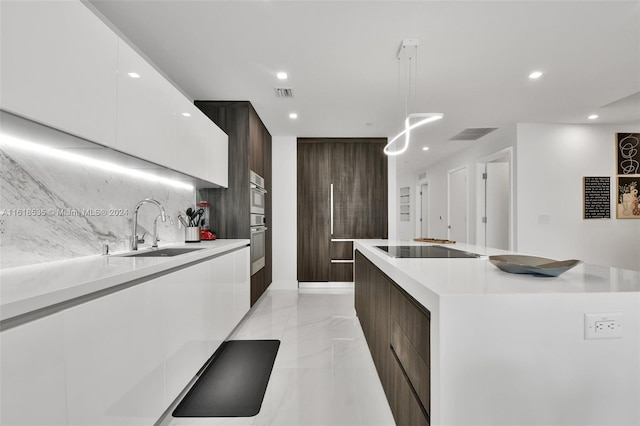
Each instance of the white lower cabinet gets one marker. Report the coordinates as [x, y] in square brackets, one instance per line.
[241, 285]
[123, 358]
[202, 305]
[114, 353]
[32, 384]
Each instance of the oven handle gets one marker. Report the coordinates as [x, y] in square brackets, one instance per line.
[258, 188]
[255, 229]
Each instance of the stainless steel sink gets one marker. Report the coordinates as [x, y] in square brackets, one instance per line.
[164, 252]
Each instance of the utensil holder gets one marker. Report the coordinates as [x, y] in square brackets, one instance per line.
[192, 234]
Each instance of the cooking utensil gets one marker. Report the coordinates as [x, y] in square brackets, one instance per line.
[197, 215]
[189, 213]
[182, 221]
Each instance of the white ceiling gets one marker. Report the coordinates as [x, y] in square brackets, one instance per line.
[474, 62]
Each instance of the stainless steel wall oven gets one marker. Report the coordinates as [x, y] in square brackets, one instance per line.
[258, 229]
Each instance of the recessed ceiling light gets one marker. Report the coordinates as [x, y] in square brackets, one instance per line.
[282, 75]
[293, 115]
[186, 114]
[593, 116]
[425, 148]
[535, 74]
[134, 75]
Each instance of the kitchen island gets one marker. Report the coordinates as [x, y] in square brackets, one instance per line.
[507, 349]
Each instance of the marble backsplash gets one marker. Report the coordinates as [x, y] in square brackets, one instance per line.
[53, 209]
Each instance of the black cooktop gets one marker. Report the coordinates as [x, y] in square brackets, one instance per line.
[425, 252]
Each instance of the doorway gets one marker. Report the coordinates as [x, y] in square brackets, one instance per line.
[423, 230]
[457, 205]
[494, 203]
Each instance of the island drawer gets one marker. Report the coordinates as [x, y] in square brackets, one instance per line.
[409, 340]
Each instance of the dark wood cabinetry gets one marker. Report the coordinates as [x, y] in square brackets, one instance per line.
[249, 149]
[359, 178]
[397, 330]
[314, 174]
[342, 195]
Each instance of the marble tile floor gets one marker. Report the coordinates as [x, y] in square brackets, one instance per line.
[323, 374]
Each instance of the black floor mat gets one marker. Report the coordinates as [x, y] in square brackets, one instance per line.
[234, 383]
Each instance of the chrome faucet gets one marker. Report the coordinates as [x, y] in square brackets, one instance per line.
[134, 237]
[155, 229]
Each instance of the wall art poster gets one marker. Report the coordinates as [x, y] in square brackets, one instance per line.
[628, 197]
[628, 153]
[597, 197]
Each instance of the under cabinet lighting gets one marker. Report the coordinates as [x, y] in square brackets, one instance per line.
[293, 115]
[593, 116]
[425, 148]
[64, 155]
[534, 75]
[133, 75]
[186, 114]
[282, 75]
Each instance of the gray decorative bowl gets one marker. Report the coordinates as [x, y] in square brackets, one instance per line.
[519, 264]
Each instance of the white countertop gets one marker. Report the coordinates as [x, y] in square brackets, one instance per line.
[28, 288]
[477, 276]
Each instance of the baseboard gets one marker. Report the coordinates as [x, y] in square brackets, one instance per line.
[325, 284]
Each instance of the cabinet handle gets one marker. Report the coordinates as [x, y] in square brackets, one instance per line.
[331, 206]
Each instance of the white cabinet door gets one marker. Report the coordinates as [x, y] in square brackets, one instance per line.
[207, 144]
[114, 351]
[33, 374]
[199, 314]
[146, 111]
[220, 299]
[192, 135]
[186, 325]
[242, 284]
[218, 156]
[59, 67]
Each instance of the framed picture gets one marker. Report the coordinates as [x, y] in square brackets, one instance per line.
[597, 197]
[628, 198]
[628, 153]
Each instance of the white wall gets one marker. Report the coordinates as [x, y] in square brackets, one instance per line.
[284, 206]
[551, 162]
[437, 181]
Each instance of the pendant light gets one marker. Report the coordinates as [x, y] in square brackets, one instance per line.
[408, 57]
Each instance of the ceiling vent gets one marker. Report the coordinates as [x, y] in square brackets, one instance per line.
[283, 92]
[473, 133]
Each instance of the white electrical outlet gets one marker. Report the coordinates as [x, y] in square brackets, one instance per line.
[603, 326]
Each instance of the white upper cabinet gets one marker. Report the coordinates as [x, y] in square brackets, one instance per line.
[208, 155]
[146, 114]
[193, 136]
[63, 67]
[59, 67]
[158, 123]
[217, 155]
